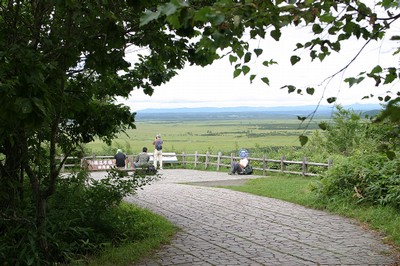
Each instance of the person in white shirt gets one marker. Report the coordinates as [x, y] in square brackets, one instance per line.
[238, 167]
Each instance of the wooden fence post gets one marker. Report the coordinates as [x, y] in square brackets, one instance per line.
[207, 159]
[283, 165]
[330, 163]
[304, 166]
[62, 166]
[196, 158]
[219, 160]
[184, 158]
[264, 164]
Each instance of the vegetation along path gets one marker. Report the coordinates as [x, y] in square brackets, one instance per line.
[224, 227]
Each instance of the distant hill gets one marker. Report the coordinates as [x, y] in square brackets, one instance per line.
[240, 109]
[208, 113]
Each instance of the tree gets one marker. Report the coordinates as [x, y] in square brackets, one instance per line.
[220, 28]
[62, 67]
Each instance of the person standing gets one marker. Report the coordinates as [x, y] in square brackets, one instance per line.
[158, 142]
[120, 159]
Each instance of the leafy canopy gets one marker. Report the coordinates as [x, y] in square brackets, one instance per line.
[220, 28]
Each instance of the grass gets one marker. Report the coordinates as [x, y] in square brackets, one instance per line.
[296, 189]
[152, 230]
[202, 136]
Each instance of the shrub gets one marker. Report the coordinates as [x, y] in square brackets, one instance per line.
[84, 216]
[369, 178]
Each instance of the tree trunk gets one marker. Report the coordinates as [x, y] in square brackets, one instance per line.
[11, 177]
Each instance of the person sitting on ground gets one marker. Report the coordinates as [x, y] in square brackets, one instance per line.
[142, 159]
[120, 159]
[238, 167]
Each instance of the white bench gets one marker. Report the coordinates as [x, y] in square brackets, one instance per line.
[167, 157]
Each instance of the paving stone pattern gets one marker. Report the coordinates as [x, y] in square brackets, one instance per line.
[223, 227]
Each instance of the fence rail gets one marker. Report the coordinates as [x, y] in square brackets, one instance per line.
[264, 164]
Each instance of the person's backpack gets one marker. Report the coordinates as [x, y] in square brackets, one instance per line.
[248, 170]
[158, 146]
[151, 170]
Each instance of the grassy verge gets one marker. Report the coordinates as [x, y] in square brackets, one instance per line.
[152, 230]
[296, 189]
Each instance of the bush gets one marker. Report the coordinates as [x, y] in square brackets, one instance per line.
[84, 216]
[369, 178]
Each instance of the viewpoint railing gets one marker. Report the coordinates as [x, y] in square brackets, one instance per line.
[263, 165]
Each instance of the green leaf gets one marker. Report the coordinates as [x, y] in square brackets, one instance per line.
[232, 59]
[237, 72]
[301, 118]
[327, 18]
[202, 14]
[331, 100]
[377, 69]
[395, 38]
[291, 88]
[247, 57]
[245, 70]
[268, 63]
[168, 9]
[303, 140]
[316, 28]
[240, 52]
[276, 34]
[258, 52]
[323, 125]
[252, 77]
[310, 91]
[294, 59]
[149, 16]
[265, 80]
[353, 81]
[391, 76]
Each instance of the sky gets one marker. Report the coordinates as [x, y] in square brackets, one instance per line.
[214, 85]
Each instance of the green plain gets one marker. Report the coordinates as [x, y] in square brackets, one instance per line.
[211, 135]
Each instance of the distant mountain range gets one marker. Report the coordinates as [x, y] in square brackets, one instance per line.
[251, 112]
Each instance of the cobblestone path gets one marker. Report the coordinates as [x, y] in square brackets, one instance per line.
[223, 227]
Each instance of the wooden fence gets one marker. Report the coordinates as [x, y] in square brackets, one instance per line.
[263, 164]
[260, 165]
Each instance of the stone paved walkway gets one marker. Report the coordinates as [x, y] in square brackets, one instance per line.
[223, 227]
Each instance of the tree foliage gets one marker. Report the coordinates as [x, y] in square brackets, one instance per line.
[225, 27]
[63, 63]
